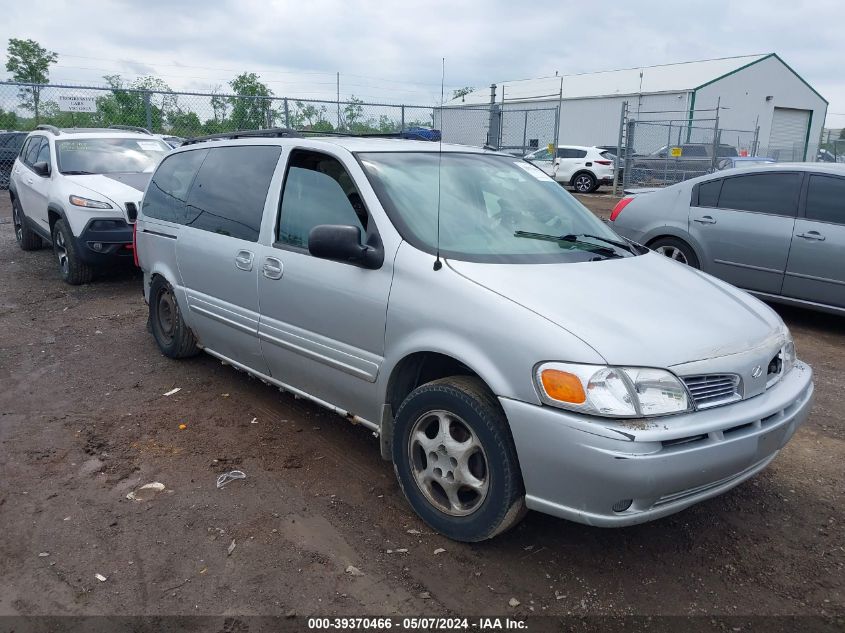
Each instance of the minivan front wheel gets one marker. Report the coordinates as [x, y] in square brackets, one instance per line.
[455, 460]
[173, 336]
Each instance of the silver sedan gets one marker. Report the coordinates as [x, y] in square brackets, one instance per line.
[776, 231]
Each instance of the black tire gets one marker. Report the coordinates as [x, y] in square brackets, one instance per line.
[27, 239]
[72, 269]
[584, 182]
[174, 338]
[474, 419]
[676, 249]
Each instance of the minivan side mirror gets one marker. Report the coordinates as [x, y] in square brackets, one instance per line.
[342, 243]
[42, 168]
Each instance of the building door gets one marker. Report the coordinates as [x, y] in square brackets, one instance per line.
[788, 138]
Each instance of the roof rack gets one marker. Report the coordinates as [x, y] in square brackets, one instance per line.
[131, 128]
[49, 128]
[278, 132]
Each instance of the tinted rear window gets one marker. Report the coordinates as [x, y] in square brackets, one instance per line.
[693, 150]
[826, 199]
[708, 193]
[168, 190]
[229, 191]
[775, 193]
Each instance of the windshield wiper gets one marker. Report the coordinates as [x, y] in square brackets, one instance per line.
[570, 239]
[627, 247]
[78, 172]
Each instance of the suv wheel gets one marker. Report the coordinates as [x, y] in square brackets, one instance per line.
[676, 249]
[584, 183]
[27, 239]
[455, 460]
[173, 336]
[73, 270]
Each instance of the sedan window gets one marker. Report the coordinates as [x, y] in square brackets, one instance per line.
[775, 193]
[826, 199]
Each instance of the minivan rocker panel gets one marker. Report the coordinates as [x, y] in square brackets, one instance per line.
[443, 356]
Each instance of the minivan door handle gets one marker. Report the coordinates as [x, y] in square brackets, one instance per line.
[273, 268]
[812, 235]
[705, 220]
[243, 260]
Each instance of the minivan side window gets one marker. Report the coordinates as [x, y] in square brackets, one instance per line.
[318, 190]
[773, 193]
[228, 194]
[826, 199]
[168, 190]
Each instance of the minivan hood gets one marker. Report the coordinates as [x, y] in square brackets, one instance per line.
[119, 188]
[645, 310]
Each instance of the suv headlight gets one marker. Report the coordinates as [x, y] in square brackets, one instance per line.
[619, 392]
[79, 201]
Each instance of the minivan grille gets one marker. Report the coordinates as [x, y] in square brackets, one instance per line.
[710, 390]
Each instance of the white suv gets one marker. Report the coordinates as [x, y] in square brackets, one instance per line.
[584, 169]
[79, 189]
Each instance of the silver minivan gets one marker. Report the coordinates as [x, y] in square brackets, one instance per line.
[510, 351]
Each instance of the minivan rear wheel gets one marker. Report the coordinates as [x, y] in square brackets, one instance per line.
[174, 338]
[676, 249]
[455, 459]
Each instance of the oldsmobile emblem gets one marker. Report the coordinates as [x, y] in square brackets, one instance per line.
[757, 371]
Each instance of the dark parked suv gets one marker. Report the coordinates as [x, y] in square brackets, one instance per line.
[696, 159]
[10, 147]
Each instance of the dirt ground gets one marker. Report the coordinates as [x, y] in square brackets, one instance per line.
[83, 421]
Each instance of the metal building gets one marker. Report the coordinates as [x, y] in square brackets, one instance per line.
[754, 92]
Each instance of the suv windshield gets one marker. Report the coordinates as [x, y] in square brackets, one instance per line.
[109, 155]
[485, 200]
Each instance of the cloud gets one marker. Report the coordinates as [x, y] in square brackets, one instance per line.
[392, 51]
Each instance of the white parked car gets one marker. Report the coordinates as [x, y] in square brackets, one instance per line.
[583, 168]
[78, 189]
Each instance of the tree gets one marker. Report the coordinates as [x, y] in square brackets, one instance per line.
[251, 108]
[352, 113]
[29, 62]
[186, 124]
[219, 106]
[460, 93]
[127, 103]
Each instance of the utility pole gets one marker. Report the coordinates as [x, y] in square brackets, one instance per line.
[338, 100]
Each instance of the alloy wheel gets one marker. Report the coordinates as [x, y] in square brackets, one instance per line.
[448, 463]
[61, 252]
[583, 183]
[16, 218]
[673, 252]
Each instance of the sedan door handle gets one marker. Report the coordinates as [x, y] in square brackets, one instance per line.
[243, 260]
[273, 268]
[705, 220]
[812, 235]
[29, 181]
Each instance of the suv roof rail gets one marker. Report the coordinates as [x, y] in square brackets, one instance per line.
[49, 128]
[277, 132]
[131, 128]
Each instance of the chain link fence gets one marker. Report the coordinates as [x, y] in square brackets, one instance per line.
[190, 114]
[659, 153]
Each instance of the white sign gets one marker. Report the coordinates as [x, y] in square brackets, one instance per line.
[77, 103]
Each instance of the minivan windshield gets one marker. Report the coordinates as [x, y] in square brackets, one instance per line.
[492, 208]
[109, 155]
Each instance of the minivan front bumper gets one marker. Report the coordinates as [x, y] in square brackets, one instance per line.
[580, 468]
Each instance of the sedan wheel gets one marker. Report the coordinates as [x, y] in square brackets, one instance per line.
[672, 252]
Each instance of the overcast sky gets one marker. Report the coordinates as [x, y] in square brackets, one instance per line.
[391, 51]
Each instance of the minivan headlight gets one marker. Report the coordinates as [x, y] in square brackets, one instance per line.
[619, 392]
[79, 201]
